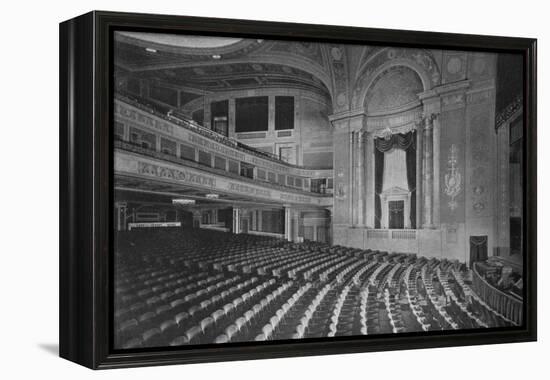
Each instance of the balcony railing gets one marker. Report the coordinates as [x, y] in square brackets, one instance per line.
[503, 303]
[183, 121]
[391, 234]
[134, 148]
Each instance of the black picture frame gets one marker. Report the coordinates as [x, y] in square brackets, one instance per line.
[86, 162]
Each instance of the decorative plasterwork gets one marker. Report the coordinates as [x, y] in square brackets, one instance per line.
[395, 88]
[387, 132]
[397, 122]
[339, 72]
[453, 178]
[509, 111]
[420, 61]
[356, 120]
[480, 153]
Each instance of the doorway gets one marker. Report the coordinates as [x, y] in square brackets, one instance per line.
[478, 249]
[396, 213]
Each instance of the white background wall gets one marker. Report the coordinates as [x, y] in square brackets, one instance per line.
[29, 190]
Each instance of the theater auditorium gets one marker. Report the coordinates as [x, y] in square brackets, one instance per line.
[272, 190]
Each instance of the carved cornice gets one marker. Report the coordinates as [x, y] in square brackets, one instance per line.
[398, 120]
[445, 89]
[354, 119]
[515, 107]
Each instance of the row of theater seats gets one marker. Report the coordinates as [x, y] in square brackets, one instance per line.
[176, 287]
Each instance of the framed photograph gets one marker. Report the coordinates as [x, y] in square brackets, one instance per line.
[238, 189]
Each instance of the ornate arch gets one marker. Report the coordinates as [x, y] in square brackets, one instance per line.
[420, 61]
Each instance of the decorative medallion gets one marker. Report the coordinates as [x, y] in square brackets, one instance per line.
[336, 53]
[341, 99]
[479, 65]
[454, 65]
[478, 190]
[479, 207]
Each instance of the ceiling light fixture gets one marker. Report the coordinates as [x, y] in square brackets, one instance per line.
[151, 50]
[183, 201]
[216, 56]
[212, 196]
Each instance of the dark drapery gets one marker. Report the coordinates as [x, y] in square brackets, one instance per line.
[478, 249]
[411, 176]
[378, 178]
[398, 140]
[406, 142]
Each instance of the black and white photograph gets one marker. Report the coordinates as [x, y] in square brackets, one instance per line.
[277, 190]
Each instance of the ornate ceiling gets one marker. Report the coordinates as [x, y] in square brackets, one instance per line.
[198, 65]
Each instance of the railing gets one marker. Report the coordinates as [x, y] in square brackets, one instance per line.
[503, 303]
[262, 233]
[184, 122]
[215, 227]
[403, 234]
[153, 225]
[130, 147]
[391, 234]
[377, 234]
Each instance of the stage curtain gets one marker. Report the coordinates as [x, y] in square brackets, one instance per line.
[395, 170]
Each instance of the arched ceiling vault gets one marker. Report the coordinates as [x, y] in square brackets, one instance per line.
[243, 64]
[343, 73]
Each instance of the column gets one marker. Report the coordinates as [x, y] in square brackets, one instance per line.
[197, 218]
[359, 157]
[236, 220]
[126, 132]
[502, 191]
[369, 179]
[288, 232]
[419, 174]
[428, 172]
[231, 118]
[121, 215]
[436, 137]
[271, 114]
[207, 115]
[157, 143]
[294, 223]
[351, 179]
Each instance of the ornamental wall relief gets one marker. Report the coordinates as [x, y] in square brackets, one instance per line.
[453, 178]
[339, 76]
[480, 154]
